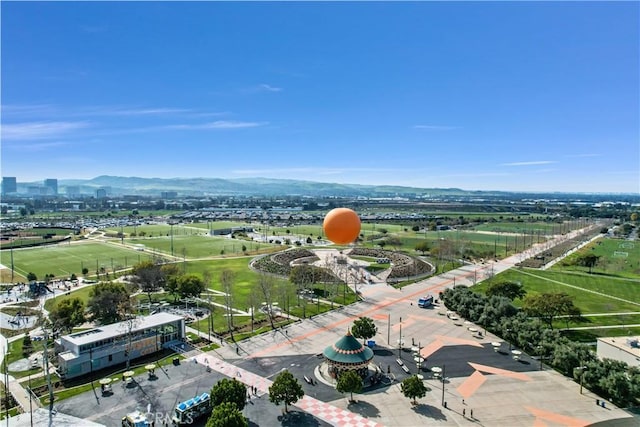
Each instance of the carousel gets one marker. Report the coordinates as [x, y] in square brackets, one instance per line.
[347, 354]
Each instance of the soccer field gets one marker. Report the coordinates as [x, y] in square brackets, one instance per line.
[65, 259]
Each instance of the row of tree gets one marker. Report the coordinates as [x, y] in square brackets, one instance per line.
[531, 329]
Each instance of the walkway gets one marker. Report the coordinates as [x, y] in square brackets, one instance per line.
[322, 410]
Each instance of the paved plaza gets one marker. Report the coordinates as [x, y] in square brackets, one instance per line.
[483, 383]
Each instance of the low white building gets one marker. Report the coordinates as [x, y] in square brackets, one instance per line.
[624, 349]
[98, 348]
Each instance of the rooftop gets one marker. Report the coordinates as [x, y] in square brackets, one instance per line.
[348, 350]
[120, 328]
[630, 345]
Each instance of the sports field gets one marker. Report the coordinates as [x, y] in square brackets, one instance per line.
[603, 301]
[199, 246]
[65, 259]
[617, 258]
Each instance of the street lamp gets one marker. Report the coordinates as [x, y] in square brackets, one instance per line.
[582, 369]
[443, 379]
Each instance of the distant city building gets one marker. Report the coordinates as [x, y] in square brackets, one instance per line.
[73, 190]
[51, 185]
[9, 184]
[101, 193]
[36, 190]
[83, 352]
[623, 349]
[169, 194]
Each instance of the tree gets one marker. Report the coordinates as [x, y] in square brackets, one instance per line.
[227, 278]
[148, 276]
[349, 382]
[396, 242]
[414, 388]
[511, 290]
[67, 314]
[267, 286]
[27, 345]
[285, 388]
[548, 306]
[32, 277]
[229, 391]
[190, 285]
[422, 246]
[363, 327]
[172, 275]
[85, 271]
[109, 302]
[226, 415]
[588, 260]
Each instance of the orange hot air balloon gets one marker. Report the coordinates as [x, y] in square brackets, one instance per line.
[341, 226]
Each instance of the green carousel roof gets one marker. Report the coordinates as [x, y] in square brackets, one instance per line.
[348, 350]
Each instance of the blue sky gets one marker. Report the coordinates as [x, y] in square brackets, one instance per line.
[520, 96]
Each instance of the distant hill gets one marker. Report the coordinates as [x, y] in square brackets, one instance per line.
[118, 185]
[248, 187]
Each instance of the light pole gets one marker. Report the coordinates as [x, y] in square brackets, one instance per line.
[400, 341]
[443, 372]
[509, 338]
[582, 369]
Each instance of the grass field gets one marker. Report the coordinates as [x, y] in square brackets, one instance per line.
[617, 257]
[199, 246]
[65, 259]
[543, 228]
[615, 301]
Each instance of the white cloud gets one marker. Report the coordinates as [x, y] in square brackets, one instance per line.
[583, 155]
[533, 163]
[270, 88]
[38, 146]
[218, 124]
[39, 130]
[434, 127]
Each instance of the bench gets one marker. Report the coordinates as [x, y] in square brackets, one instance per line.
[400, 362]
[404, 368]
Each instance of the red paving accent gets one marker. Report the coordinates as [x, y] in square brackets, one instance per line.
[334, 325]
[380, 316]
[471, 384]
[556, 418]
[503, 372]
[539, 423]
[431, 348]
[322, 410]
[459, 341]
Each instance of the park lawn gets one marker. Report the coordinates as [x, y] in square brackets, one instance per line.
[536, 281]
[590, 335]
[199, 246]
[81, 293]
[587, 321]
[617, 258]
[64, 259]
[543, 228]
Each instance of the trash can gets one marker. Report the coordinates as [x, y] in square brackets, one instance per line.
[176, 361]
[371, 343]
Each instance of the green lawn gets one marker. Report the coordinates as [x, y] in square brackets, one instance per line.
[64, 259]
[617, 257]
[592, 294]
[604, 301]
[521, 227]
[198, 246]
